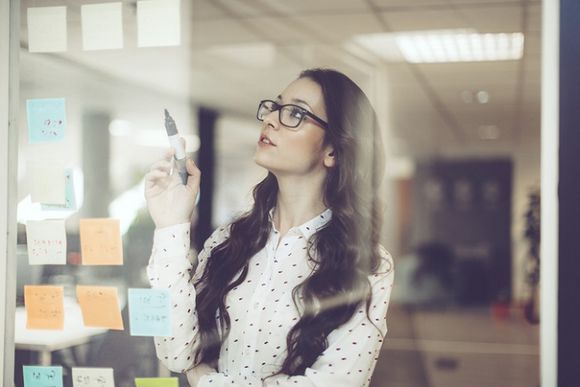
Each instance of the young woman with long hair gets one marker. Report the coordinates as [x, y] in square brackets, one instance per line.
[295, 291]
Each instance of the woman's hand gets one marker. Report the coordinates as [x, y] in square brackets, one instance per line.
[194, 374]
[169, 201]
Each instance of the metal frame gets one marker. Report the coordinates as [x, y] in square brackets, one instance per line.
[9, 65]
[549, 188]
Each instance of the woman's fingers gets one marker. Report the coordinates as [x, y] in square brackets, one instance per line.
[162, 165]
[155, 175]
[168, 155]
[194, 176]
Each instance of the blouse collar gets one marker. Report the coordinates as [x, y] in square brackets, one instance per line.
[310, 227]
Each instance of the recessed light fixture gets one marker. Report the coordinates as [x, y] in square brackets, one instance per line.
[482, 96]
[444, 46]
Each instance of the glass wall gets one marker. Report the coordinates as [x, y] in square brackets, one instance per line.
[456, 85]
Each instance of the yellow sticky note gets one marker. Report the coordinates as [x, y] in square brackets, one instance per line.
[101, 242]
[100, 306]
[156, 382]
[44, 307]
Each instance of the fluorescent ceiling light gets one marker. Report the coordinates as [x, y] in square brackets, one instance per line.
[443, 46]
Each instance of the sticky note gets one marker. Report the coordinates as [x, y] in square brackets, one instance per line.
[156, 382]
[46, 242]
[100, 306]
[102, 26]
[37, 376]
[101, 242]
[47, 183]
[47, 29]
[149, 312]
[70, 202]
[46, 119]
[158, 23]
[93, 377]
[44, 306]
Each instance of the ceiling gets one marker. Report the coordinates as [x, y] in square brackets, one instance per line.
[235, 52]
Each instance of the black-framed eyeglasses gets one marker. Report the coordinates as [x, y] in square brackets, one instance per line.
[290, 115]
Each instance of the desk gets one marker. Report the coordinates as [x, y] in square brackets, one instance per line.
[46, 341]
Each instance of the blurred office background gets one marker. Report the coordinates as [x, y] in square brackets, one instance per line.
[456, 84]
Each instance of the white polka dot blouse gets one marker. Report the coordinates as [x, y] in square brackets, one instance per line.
[262, 312]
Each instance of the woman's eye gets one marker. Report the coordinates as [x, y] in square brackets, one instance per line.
[296, 112]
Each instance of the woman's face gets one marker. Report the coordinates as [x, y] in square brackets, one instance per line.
[294, 151]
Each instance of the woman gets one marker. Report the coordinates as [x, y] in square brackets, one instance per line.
[294, 292]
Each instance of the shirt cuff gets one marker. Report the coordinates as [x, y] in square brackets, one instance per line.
[171, 242]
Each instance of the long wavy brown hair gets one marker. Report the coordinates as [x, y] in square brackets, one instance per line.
[345, 251]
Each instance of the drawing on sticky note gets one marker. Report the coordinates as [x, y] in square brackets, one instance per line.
[44, 307]
[100, 306]
[46, 120]
[92, 377]
[46, 242]
[101, 242]
[37, 376]
[149, 312]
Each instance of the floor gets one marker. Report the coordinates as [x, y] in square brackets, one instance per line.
[455, 347]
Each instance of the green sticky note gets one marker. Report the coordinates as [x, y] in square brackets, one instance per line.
[46, 120]
[156, 382]
[37, 376]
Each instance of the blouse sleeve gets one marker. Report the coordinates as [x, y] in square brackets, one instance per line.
[353, 348]
[170, 267]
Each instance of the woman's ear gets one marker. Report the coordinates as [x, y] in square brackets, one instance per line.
[329, 159]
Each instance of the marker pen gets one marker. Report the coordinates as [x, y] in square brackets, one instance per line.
[177, 144]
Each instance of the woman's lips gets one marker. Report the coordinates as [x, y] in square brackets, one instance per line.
[264, 140]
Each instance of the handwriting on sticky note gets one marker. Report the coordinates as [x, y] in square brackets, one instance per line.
[93, 377]
[44, 306]
[156, 382]
[46, 120]
[101, 242]
[69, 193]
[37, 376]
[100, 306]
[149, 312]
[47, 182]
[46, 241]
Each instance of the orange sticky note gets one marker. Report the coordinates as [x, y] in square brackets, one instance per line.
[101, 242]
[100, 306]
[44, 306]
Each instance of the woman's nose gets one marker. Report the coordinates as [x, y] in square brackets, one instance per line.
[272, 119]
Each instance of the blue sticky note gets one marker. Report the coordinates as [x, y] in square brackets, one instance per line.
[37, 376]
[149, 312]
[46, 120]
[69, 193]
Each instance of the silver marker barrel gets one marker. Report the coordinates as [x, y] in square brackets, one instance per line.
[177, 144]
